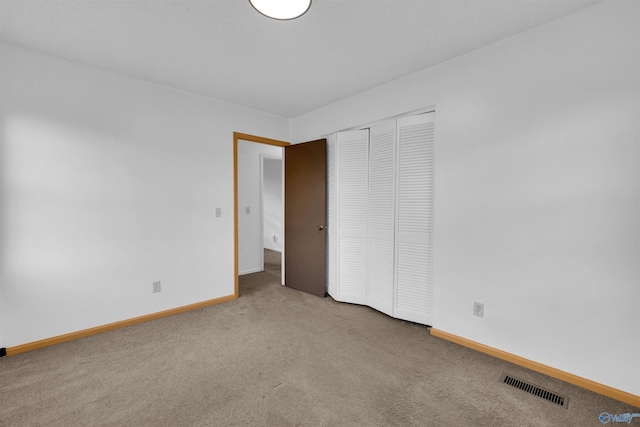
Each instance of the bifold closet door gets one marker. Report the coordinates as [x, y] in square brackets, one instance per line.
[414, 218]
[332, 218]
[382, 183]
[352, 204]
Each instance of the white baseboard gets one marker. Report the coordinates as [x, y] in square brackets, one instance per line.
[252, 270]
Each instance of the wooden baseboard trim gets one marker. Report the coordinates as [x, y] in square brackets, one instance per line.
[602, 389]
[12, 351]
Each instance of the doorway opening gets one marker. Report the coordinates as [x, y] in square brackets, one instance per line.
[253, 253]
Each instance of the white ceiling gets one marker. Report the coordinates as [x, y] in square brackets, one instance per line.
[226, 50]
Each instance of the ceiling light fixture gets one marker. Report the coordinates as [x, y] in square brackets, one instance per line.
[281, 9]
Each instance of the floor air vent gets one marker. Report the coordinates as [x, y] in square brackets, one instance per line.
[536, 391]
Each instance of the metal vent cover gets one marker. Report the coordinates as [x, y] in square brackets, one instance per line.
[545, 394]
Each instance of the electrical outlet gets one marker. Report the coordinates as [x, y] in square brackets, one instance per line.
[218, 212]
[247, 210]
[156, 287]
[478, 309]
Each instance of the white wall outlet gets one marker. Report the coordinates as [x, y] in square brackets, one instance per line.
[218, 212]
[247, 210]
[157, 287]
[478, 309]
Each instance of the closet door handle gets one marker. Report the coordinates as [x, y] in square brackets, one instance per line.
[320, 227]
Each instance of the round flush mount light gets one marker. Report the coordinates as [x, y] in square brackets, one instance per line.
[281, 9]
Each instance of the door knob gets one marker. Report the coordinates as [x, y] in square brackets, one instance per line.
[320, 227]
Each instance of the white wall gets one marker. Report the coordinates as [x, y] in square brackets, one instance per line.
[536, 189]
[250, 230]
[109, 183]
[273, 208]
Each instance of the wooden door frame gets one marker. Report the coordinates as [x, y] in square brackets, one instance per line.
[237, 136]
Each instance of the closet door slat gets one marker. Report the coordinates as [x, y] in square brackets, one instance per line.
[332, 218]
[413, 290]
[352, 160]
[382, 183]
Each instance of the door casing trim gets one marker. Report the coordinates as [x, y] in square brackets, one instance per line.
[237, 136]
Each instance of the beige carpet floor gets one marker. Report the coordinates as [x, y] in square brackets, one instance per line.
[278, 357]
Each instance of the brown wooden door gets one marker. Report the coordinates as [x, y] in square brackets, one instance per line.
[305, 206]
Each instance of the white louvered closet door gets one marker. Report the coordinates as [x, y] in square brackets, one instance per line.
[382, 183]
[352, 204]
[332, 218]
[414, 218]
